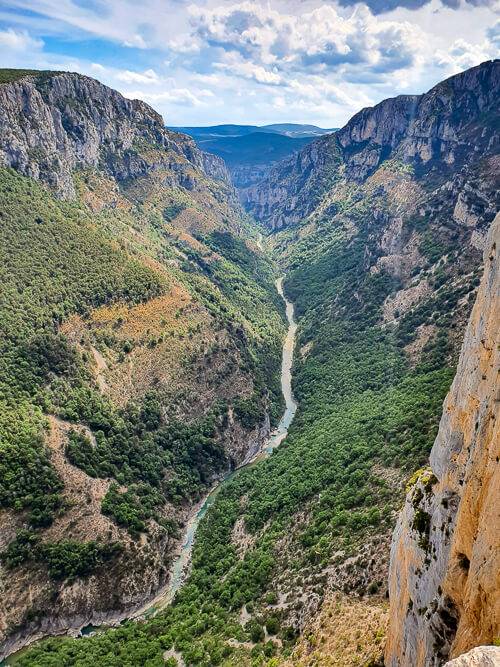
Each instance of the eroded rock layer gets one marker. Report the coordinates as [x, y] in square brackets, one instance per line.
[445, 560]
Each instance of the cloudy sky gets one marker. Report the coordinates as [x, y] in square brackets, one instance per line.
[201, 62]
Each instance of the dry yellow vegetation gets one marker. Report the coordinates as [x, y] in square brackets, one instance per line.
[346, 633]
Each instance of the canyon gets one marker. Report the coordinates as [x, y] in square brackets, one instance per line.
[162, 376]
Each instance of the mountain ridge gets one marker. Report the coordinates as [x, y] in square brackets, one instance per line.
[234, 130]
[77, 134]
[376, 133]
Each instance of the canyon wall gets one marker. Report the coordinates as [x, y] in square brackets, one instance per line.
[54, 122]
[444, 582]
[438, 135]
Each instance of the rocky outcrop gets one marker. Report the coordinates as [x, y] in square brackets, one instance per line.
[54, 122]
[280, 199]
[444, 579]
[437, 133]
[482, 656]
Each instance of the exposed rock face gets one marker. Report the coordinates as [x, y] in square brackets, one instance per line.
[280, 199]
[438, 132]
[244, 176]
[445, 560]
[482, 656]
[53, 122]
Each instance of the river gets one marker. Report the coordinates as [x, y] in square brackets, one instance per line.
[181, 563]
[180, 566]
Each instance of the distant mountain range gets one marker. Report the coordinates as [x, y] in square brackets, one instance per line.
[293, 130]
[249, 150]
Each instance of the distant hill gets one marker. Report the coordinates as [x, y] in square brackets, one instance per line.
[218, 130]
[229, 130]
[249, 150]
[294, 130]
[254, 148]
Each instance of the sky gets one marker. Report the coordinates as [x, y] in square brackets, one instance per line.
[203, 62]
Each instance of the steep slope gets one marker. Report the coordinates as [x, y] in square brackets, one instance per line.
[139, 344]
[54, 122]
[383, 250]
[438, 134]
[445, 562]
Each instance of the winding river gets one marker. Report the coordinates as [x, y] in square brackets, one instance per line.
[180, 566]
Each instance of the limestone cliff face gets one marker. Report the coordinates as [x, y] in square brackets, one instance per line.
[287, 194]
[482, 656]
[53, 122]
[436, 134]
[444, 579]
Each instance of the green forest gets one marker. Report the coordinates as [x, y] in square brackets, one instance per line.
[56, 260]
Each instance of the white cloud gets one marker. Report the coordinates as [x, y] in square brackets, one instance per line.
[19, 41]
[136, 41]
[184, 44]
[178, 96]
[316, 88]
[149, 76]
[317, 40]
[248, 70]
[205, 61]
[462, 55]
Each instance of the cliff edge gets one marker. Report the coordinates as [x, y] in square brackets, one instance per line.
[444, 580]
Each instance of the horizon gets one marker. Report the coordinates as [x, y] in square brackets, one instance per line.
[200, 63]
[258, 125]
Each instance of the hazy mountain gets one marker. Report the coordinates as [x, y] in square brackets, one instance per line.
[287, 129]
[249, 150]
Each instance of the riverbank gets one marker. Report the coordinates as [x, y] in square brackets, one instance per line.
[181, 564]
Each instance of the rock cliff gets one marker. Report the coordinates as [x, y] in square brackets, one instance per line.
[437, 134]
[54, 122]
[483, 656]
[445, 558]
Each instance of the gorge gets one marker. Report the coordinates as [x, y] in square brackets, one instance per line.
[143, 365]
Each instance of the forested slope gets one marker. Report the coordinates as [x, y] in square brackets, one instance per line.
[140, 341]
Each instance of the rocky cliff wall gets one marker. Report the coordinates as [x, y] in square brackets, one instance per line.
[482, 656]
[53, 122]
[436, 135]
[444, 581]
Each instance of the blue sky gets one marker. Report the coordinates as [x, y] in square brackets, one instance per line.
[216, 61]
